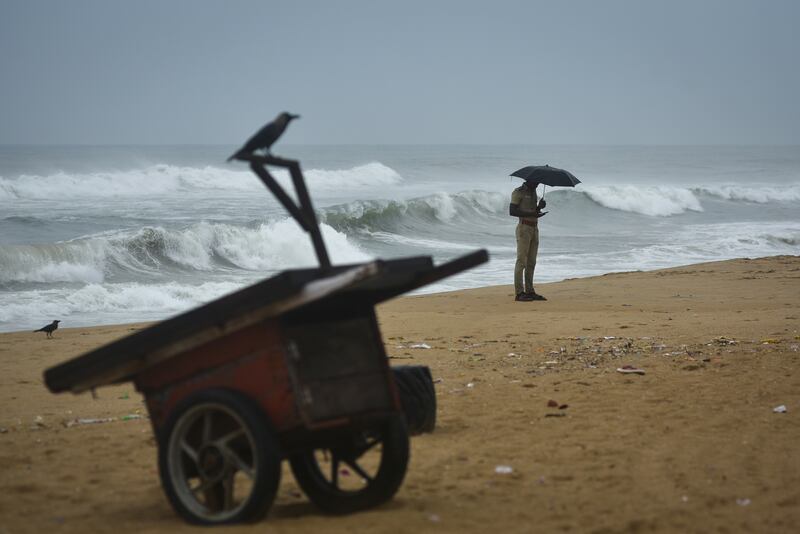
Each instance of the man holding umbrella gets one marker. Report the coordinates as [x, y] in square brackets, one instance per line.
[526, 206]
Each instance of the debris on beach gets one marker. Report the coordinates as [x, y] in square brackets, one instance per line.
[780, 409]
[38, 423]
[743, 502]
[630, 369]
[89, 421]
[503, 469]
[421, 345]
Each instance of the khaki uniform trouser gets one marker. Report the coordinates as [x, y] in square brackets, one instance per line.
[527, 248]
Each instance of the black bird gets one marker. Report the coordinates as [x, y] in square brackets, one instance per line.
[52, 327]
[266, 136]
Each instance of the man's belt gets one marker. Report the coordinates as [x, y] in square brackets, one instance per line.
[529, 223]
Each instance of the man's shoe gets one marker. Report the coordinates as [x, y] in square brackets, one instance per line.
[535, 296]
[523, 297]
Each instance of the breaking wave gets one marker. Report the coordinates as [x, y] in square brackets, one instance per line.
[760, 195]
[171, 179]
[663, 201]
[99, 302]
[199, 247]
[390, 215]
[656, 201]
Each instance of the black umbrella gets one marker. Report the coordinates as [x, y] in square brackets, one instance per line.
[547, 175]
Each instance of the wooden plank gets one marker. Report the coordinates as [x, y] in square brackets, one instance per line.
[119, 360]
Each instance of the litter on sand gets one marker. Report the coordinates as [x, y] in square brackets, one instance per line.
[629, 369]
[503, 469]
[419, 346]
[780, 409]
[89, 421]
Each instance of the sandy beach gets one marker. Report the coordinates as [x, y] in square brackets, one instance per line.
[692, 445]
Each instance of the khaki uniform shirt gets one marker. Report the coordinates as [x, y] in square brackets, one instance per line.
[527, 200]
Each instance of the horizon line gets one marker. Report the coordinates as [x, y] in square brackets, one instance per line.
[732, 145]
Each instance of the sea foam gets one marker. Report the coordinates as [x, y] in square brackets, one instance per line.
[759, 194]
[657, 201]
[160, 180]
[438, 208]
[153, 251]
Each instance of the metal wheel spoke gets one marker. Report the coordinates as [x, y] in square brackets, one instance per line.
[224, 440]
[190, 452]
[335, 470]
[370, 445]
[204, 486]
[357, 468]
[207, 427]
[227, 484]
[237, 461]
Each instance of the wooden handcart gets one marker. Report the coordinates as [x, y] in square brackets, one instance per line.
[292, 367]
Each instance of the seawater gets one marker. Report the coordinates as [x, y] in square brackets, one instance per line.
[98, 235]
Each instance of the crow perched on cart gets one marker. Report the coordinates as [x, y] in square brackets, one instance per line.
[52, 327]
[266, 136]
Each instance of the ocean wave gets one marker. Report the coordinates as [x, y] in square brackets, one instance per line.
[151, 250]
[664, 201]
[758, 194]
[656, 201]
[129, 299]
[388, 215]
[159, 180]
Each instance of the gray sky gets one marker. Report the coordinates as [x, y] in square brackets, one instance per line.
[551, 72]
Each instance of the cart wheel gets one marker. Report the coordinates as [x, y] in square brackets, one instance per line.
[218, 459]
[417, 397]
[357, 473]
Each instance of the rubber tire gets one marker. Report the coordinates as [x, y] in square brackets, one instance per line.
[389, 477]
[268, 476]
[417, 397]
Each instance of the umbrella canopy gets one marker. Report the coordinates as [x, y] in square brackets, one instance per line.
[547, 175]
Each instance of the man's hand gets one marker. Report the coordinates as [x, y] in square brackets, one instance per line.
[542, 204]
[542, 213]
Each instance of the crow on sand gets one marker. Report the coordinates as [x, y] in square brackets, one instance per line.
[52, 327]
[266, 136]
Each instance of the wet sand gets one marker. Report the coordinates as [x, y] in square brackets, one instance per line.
[692, 445]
